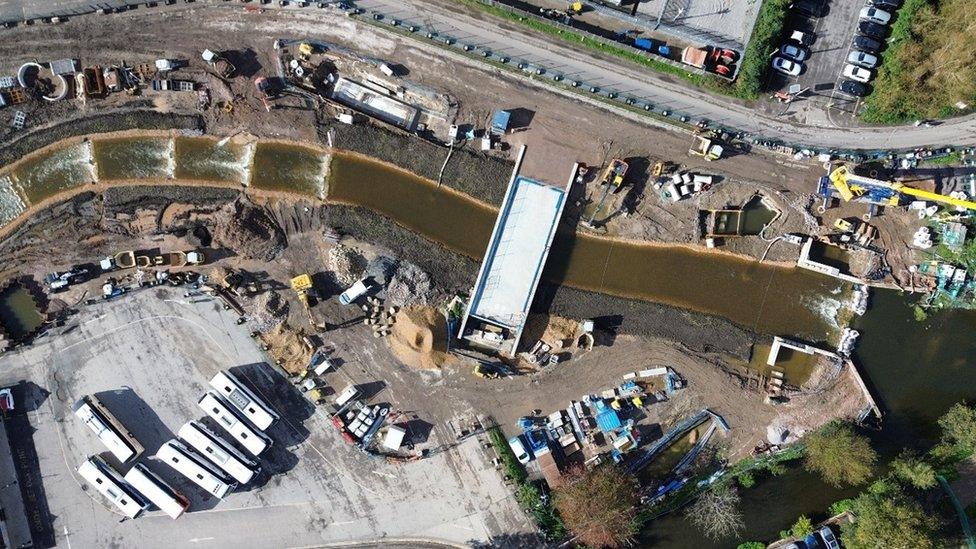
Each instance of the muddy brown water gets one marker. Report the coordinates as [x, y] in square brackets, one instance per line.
[767, 298]
[18, 312]
[917, 370]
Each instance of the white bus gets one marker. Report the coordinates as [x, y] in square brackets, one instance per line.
[244, 400]
[194, 467]
[254, 441]
[219, 451]
[109, 483]
[157, 491]
[109, 430]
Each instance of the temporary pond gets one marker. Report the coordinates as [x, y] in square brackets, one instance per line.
[19, 316]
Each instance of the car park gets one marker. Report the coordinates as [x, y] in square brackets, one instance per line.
[874, 30]
[857, 74]
[867, 44]
[875, 15]
[786, 66]
[863, 59]
[794, 52]
[851, 87]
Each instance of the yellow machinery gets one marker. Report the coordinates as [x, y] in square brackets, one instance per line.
[306, 49]
[575, 8]
[302, 284]
[851, 186]
[707, 147]
[481, 371]
[614, 174]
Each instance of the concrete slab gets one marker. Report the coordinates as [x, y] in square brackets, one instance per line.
[148, 355]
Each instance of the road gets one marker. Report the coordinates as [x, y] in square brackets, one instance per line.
[663, 91]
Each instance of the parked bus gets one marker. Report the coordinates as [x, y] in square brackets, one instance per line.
[109, 430]
[254, 441]
[157, 491]
[244, 400]
[109, 483]
[194, 467]
[219, 451]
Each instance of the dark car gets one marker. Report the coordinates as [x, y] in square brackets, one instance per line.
[809, 8]
[873, 30]
[851, 87]
[886, 4]
[868, 44]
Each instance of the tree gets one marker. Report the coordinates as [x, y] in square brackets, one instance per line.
[914, 470]
[840, 455]
[598, 506]
[885, 517]
[959, 427]
[802, 528]
[716, 513]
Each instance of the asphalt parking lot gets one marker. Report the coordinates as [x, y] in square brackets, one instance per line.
[833, 32]
[148, 356]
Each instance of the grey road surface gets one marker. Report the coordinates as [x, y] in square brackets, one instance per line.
[148, 357]
[661, 90]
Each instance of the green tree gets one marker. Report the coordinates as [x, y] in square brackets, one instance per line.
[840, 455]
[598, 506]
[751, 545]
[914, 470]
[885, 517]
[746, 480]
[959, 427]
[802, 528]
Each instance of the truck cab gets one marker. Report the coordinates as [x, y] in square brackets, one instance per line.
[354, 292]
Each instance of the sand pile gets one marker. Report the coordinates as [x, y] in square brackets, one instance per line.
[419, 338]
[558, 332]
[287, 347]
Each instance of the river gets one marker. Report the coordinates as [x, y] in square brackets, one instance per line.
[916, 369]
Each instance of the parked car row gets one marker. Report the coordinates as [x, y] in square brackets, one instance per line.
[863, 60]
[791, 55]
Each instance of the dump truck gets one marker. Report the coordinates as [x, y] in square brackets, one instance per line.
[220, 64]
[706, 146]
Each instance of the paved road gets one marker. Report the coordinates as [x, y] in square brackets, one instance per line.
[661, 90]
[24, 10]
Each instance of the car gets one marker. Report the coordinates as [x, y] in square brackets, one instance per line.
[875, 15]
[808, 8]
[794, 52]
[515, 443]
[856, 89]
[867, 44]
[889, 5]
[873, 30]
[802, 38]
[786, 66]
[863, 59]
[857, 74]
[828, 537]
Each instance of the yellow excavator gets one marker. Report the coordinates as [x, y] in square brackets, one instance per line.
[303, 287]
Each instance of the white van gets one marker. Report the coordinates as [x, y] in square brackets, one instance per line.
[515, 443]
[355, 291]
[347, 394]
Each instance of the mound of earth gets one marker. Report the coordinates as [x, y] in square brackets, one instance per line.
[250, 232]
[419, 338]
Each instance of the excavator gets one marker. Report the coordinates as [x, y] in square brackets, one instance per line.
[303, 287]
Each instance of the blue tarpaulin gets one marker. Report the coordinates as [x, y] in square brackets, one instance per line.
[606, 417]
[499, 123]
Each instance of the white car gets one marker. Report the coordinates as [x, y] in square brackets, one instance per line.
[863, 59]
[793, 52]
[785, 66]
[875, 15]
[857, 73]
[515, 443]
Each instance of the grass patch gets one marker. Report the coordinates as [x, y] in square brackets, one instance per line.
[589, 42]
[929, 66]
[765, 37]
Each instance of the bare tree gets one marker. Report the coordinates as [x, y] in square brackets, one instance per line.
[717, 513]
